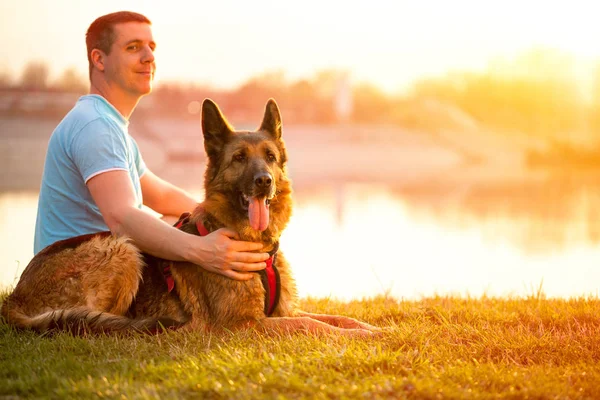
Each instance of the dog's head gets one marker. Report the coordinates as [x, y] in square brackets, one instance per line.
[246, 185]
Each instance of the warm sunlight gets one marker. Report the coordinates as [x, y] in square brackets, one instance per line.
[385, 43]
[425, 176]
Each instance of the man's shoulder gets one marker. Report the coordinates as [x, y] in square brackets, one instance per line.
[86, 114]
[86, 110]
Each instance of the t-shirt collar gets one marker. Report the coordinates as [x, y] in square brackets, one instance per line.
[112, 108]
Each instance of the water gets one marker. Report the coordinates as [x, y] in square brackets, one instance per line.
[356, 240]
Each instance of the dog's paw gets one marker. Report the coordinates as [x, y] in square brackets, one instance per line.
[351, 323]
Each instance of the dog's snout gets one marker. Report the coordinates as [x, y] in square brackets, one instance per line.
[263, 180]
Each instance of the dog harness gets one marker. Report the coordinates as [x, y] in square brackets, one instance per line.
[269, 276]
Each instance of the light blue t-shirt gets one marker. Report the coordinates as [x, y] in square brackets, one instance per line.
[90, 140]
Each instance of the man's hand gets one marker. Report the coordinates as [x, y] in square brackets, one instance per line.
[220, 253]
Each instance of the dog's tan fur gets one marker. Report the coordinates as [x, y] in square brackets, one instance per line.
[101, 282]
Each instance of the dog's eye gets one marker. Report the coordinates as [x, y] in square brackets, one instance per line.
[240, 157]
[271, 157]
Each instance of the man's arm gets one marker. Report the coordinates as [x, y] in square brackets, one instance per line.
[115, 196]
[165, 198]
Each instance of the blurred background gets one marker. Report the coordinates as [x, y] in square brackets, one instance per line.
[435, 147]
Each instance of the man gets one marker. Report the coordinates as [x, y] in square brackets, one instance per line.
[94, 176]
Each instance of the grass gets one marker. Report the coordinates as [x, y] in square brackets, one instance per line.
[442, 347]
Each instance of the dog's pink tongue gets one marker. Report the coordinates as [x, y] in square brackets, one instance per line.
[258, 213]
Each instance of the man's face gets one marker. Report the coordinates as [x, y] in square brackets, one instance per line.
[130, 64]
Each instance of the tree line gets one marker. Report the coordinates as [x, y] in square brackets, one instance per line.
[539, 94]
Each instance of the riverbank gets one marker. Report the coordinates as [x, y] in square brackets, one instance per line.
[319, 155]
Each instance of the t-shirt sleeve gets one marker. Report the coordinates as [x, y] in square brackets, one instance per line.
[140, 165]
[99, 148]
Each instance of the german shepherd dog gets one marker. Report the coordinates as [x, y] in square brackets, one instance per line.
[103, 283]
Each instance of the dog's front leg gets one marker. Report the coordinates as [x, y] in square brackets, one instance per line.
[287, 325]
[339, 321]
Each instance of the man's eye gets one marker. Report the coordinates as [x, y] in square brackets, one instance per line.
[132, 47]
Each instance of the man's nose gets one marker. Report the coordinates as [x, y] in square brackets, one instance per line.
[148, 56]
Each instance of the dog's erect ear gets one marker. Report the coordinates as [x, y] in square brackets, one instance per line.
[272, 120]
[215, 128]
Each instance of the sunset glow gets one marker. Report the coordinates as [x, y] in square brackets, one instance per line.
[389, 44]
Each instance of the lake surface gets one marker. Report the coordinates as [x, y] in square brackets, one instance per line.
[357, 240]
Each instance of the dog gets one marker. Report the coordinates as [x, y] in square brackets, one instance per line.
[103, 283]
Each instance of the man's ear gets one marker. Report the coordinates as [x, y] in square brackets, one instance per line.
[215, 128]
[272, 120]
[97, 57]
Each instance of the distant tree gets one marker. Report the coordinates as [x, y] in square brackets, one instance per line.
[299, 100]
[35, 76]
[371, 105]
[71, 81]
[326, 85]
[271, 79]
[301, 91]
[595, 108]
[535, 94]
[326, 82]
[258, 88]
[5, 79]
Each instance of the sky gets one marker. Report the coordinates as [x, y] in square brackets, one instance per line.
[386, 43]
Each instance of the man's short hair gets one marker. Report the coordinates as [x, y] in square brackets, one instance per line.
[101, 34]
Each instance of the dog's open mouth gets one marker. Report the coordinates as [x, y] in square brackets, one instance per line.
[258, 211]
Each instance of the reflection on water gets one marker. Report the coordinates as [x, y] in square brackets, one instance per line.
[539, 217]
[17, 222]
[363, 240]
[418, 243]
